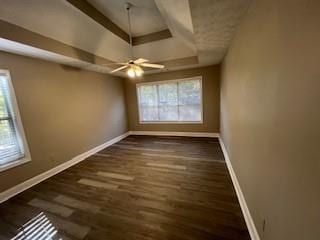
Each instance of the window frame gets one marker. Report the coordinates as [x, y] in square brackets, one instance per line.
[170, 81]
[18, 125]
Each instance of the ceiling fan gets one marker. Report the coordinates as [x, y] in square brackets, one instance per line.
[134, 66]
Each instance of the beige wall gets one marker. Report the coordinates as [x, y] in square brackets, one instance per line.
[270, 116]
[64, 111]
[211, 103]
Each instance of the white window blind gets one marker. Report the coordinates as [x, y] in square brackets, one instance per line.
[11, 146]
[171, 101]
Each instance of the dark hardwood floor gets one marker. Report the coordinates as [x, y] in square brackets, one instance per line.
[140, 188]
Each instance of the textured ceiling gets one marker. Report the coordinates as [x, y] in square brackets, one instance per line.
[145, 16]
[214, 23]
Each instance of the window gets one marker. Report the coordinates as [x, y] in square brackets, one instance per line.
[13, 148]
[177, 101]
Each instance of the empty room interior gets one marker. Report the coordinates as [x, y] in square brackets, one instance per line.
[159, 119]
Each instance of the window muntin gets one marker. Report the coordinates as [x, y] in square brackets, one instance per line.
[12, 147]
[177, 101]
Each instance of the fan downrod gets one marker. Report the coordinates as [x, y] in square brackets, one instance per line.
[128, 5]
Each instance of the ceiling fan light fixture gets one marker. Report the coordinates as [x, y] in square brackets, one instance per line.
[139, 71]
[135, 71]
[131, 73]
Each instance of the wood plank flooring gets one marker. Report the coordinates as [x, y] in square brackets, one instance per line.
[143, 187]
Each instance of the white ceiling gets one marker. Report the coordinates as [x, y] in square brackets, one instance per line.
[145, 16]
[202, 28]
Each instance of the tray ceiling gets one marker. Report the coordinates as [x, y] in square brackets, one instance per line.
[145, 16]
[197, 30]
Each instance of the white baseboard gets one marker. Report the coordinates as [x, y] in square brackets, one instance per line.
[7, 194]
[244, 207]
[179, 134]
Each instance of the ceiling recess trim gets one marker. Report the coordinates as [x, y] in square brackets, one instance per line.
[89, 10]
[18, 34]
[97, 16]
[175, 64]
[180, 62]
[156, 36]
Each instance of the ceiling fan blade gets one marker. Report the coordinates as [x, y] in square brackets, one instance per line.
[118, 69]
[152, 65]
[109, 64]
[140, 60]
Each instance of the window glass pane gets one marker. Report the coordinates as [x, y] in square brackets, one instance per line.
[148, 103]
[3, 109]
[168, 102]
[190, 113]
[189, 92]
[168, 113]
[10, 144]
[148, 113]
[171, 101]
[168, 94]
[148, 95]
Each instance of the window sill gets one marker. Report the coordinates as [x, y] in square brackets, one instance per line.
[14, 164]
[172, 122]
